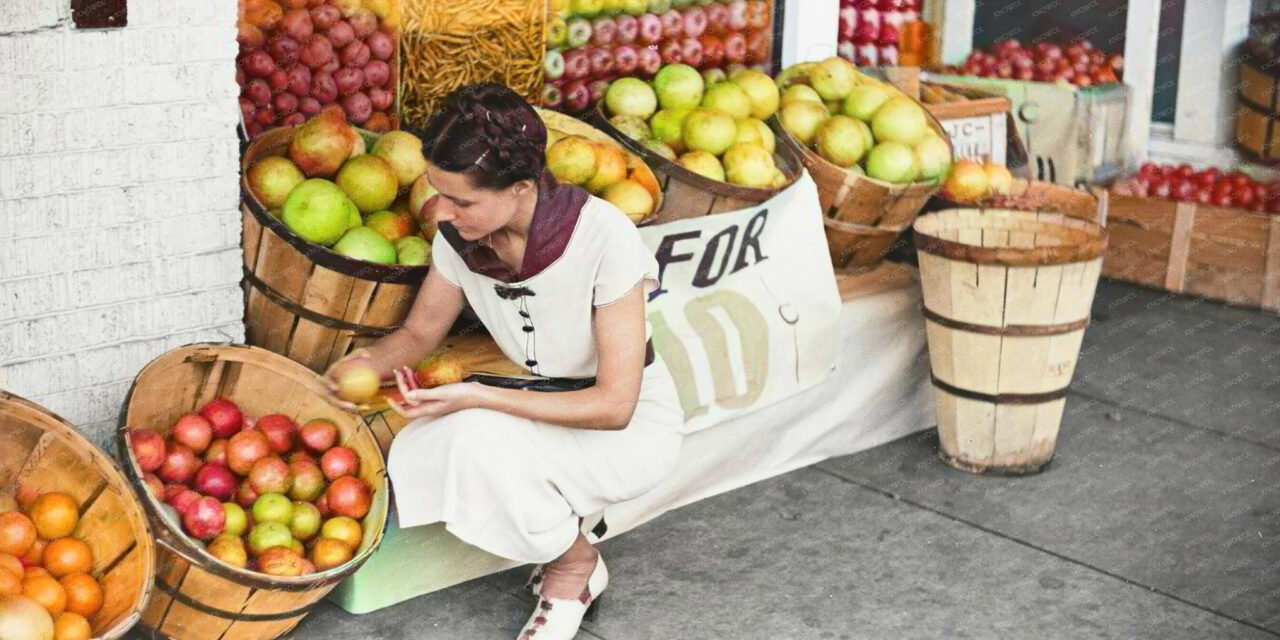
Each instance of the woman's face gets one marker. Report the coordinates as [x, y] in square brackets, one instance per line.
[473, 211]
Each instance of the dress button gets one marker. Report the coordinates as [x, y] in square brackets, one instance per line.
[528, 329]
[524, 314]
[531, 363]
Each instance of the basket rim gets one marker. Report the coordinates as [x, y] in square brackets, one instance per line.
[677, 172]
[183, 545]
[146, 538]
[1090, 249]
[321, 255]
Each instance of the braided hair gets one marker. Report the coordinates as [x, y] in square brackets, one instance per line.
[490, 133]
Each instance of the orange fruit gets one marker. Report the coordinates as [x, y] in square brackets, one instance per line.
[10, 562]
[10, 583]
[84, 594]
[71, 626]
[55, 515]
[47, 592]
[17, 533]
[67, 555]
[35, 555]
[36, 571]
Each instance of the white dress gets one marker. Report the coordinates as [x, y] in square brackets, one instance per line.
[516, 487]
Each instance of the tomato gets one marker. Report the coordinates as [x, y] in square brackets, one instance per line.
[1204, 194]
[1261, 192]
[1239, 180]
[1222, 194]
[1148, 170]
[1160, 187]
[1181, 189]
[1242, 197]
[1273, 203]
[1185, 171]
[1208, 176]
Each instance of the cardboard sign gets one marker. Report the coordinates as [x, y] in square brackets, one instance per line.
[746, 313]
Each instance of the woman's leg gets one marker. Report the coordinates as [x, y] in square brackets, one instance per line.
[566, 577]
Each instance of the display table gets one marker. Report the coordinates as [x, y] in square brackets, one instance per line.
[878, 393]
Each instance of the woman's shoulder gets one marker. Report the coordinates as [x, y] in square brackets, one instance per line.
[600, 216]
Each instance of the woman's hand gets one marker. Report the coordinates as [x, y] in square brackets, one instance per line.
[359, 357]
[433, 403]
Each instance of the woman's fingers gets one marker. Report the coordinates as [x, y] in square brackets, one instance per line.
[403, 386]
[410, 412]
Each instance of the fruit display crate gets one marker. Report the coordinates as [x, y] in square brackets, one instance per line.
[1073, 136]
[1259, 105]
[1221, 253]
[978, 121]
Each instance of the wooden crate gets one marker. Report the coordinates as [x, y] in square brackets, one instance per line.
[1007, 296]
[980, 128]
[200, 597]
[1226, 254]
[43, 451]
[1073, 136]
[1259, 105]
[689, 195]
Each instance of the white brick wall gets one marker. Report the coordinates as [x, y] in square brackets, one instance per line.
[119, 226]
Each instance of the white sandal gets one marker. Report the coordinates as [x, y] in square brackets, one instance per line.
[556, 619]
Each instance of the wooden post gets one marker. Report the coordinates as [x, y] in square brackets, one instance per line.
[809, 30]
[952, 21]
[1212, 34]
[1142, 31]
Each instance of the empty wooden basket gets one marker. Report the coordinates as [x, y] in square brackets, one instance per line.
[39, 449]
[199, 597]
[1007, 296]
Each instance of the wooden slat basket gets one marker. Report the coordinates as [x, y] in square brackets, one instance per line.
[1034, 195]
[39, 449]
[303, 300]
[689, 195]
[199, 597]
[1007, 296]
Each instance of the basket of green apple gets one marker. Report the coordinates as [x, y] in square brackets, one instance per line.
[334, 251]
[707, 137]
[876, 154]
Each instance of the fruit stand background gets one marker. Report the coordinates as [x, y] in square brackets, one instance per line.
[119, 193]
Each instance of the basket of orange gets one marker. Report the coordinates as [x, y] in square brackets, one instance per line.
[76, 553]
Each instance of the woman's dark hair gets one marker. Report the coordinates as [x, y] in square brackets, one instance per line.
[490, 133]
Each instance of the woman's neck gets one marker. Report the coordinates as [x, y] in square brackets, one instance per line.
[522, 222]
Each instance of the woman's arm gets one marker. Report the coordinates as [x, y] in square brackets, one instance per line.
[433, 313]
[619, 329]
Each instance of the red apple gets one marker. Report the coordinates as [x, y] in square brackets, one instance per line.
[577, 63]
[217, 452]
[672, 24]
[180, 464]
[650, 61]
[758, 14]
[577, 97]
[349, 496]
[672, 51]
[598, 87]
[204, 519]
[717, 19]
[224, 416]
[148, 448]
[695, 22]
[604, 31]
[318, 436]
[735, 47]
[628, 29]
[246, 448]
[712, 50]
[154, 484]
[650, 29]
[302, 456]
[625, 59]
[193, 431]
[601, 60]
[270, 475]
[322, 503]
[737, 15]
[338, 462]
[279, 430]
[691, 52]
[758, 45]
[245, 495]
[216, 481]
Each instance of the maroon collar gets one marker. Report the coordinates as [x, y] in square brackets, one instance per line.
[554, 217]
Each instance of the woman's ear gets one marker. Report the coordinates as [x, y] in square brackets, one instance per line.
[522, 187]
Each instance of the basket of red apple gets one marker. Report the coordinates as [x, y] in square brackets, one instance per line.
[705, 136]
[991, 185]
[333, 248]
[262, 495]
[875, 153]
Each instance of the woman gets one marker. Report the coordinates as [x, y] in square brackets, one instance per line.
[560, 280]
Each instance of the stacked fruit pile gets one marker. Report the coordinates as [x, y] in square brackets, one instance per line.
[592, 42]
[861, 124]
[253, 508]
[600, 168]
[715, 131]
[298, 56]
[870, 31]
[1077, 64]
[46, 586]
[971, 182]
[1208, 186]
[331, 193]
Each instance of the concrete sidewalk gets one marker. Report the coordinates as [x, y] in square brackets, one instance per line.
[1159, 518]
